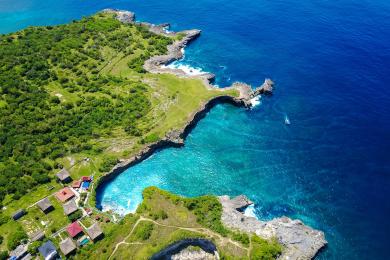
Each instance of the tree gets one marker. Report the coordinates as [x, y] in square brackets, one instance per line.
[33, 247]
[16, 238]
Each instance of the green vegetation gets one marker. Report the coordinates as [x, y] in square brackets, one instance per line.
[264, 249]
[39, 125]
[78, 91]
[16, 238]
[33, 247]
[143, 231]
[75, 215]
[163, 219]
[3, 255]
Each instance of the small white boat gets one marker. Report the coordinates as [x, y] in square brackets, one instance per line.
[286, 120]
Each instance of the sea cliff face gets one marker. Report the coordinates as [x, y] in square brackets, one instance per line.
[299, 241]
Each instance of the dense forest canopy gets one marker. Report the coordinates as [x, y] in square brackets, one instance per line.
[38, 125]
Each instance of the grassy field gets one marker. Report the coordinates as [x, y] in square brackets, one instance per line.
[166, 218]
[94, 104]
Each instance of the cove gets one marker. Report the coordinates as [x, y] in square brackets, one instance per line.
[330, 61]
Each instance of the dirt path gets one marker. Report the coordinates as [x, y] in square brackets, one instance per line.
[203, 231]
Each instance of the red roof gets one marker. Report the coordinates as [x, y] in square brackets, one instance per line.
[76, 184]
[65, 194]
[74, 229]
[86, 178]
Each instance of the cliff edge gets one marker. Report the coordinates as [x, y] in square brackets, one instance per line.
[299, 241]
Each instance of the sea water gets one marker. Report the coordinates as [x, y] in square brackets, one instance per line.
[330, 61]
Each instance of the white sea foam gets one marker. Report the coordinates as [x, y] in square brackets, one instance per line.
[250, 211]
[256, 101]
[187, 69]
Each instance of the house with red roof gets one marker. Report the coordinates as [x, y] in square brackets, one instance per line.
[65, 194]
[86, 178]
[74, 229]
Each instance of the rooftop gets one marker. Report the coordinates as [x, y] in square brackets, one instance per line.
[74, 229]
[48, 250]
[94, 231]
[18, 214]
[19, 252]
[70, 207]
[76, 184]
[67, 246]
[44, 205]
[39, 235]
[63, 175]
[65, 194]
[86, 178]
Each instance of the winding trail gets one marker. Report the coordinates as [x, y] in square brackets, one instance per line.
[203, 231]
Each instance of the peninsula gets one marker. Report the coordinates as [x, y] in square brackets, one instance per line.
[83, 101]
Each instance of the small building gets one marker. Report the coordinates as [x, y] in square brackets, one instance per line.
[48, 250]
[18, 214]
[76, 184]
[19, 252]
[95, 232]
[64, 176]
[74, 229]
[65, 194]
[70, 207]
[45, 205]
[86, 178]
[67, 246]
[39, 235]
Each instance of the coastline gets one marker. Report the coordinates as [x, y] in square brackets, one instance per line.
[157, 64]
[300, 241]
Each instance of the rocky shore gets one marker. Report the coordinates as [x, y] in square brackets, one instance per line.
[299, 241]
[155, 65]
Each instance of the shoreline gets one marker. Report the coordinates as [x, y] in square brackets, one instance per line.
[155, 65]
[300, 241]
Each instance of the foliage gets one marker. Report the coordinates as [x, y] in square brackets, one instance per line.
[75, 215]
[33, 247]
[207, 209]
[151, 138]
[3, 219]
[264, 249]
[15, 238]
[241, 237]
[1, 239]
[107, 164]
[144, 230]
[160, 214]
[3, 255]
[56, 102]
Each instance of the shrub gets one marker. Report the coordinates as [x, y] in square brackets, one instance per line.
[107, 164]
[3, 255]
[144, 230]
[75, 215]
[16, 238]
[264, 249]
[33, 247]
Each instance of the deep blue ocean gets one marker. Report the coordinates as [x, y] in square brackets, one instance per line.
[331, 64]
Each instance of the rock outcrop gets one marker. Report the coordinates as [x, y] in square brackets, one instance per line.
[158, 64]
[300, 241]
[188, 254]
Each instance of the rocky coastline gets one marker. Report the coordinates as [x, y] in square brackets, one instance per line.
[299, 240]
[155, 65]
